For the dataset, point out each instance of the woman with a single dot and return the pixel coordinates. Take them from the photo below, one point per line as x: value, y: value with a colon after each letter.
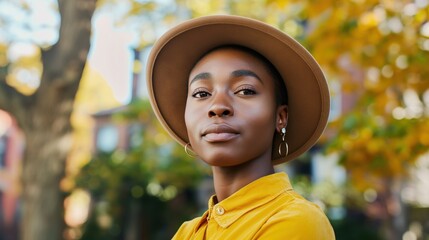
x: 244, y: 97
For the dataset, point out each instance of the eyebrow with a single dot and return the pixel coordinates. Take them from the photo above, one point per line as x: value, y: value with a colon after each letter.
x: 234, y: 74
x: 243, y: 73
x: 201, y: 76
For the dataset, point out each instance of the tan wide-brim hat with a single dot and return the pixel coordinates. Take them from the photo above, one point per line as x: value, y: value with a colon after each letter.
x: 176, y: 52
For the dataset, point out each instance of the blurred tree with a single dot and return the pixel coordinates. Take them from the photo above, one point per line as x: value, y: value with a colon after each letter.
x: 379, y: 52
x: 39, y: 91
x: 136, y: 191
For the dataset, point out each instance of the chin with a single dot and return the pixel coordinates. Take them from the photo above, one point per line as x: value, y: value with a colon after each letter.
x: 222, y: 159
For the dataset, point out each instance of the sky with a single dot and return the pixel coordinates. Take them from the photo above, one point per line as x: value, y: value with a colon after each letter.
x: 110, y: 55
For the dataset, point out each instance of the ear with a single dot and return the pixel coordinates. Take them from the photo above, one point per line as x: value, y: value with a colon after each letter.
x: 281, y: 117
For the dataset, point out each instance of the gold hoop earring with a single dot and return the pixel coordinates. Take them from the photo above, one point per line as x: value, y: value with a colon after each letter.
x: 187, y: 151
x: 283, y: 144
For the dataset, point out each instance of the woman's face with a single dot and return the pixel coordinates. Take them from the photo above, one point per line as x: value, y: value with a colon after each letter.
x: 231, y: 112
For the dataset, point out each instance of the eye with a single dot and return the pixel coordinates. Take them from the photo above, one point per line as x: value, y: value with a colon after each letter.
x: 246, y: 90
x: 200, y: 93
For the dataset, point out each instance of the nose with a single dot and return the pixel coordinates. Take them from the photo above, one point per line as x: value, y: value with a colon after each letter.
x: 221, y: 106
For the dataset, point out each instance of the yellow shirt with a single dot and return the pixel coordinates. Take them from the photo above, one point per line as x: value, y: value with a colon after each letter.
x: 268, y: 208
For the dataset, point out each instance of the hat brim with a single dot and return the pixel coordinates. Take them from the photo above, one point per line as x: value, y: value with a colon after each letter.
x: 176, y: 52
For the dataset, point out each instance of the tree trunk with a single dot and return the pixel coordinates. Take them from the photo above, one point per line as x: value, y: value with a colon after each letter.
x: 43, y: 169
x: 44, y: 118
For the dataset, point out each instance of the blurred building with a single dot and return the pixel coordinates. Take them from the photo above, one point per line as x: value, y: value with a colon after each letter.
x: 11, y: 151
x: 108, y: 134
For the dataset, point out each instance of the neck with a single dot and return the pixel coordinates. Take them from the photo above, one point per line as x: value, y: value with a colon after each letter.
x: 228, y: 180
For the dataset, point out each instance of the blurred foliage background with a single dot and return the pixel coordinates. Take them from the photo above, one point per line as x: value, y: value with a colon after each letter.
x: 369, y: 172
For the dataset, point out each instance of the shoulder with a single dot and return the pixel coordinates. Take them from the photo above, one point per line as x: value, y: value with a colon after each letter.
x: 297, y: 207
x: 297, y: 218
x: 187, y: 229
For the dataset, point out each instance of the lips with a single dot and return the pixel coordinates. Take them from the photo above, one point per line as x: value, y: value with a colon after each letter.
x: 219, y: 133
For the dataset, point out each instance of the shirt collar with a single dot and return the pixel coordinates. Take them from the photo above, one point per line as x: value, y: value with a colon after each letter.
x: 251, y: 196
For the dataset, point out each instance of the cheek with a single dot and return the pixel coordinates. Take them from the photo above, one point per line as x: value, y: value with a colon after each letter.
x: 261, y: 113
x: 261, y: 123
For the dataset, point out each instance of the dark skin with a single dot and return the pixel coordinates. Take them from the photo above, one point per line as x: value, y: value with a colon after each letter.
x: 231, y: 116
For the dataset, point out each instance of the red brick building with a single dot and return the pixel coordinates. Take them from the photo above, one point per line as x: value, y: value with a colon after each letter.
x: 11, y: 150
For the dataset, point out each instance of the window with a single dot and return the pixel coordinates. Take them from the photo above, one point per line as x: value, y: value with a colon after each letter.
x: 107, y: 138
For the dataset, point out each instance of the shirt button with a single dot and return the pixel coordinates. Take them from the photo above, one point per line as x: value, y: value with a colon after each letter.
x: 219, y: 210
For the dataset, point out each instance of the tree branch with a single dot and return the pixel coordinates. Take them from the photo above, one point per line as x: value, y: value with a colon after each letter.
x: 10, y: 99
x: 64, y: 62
